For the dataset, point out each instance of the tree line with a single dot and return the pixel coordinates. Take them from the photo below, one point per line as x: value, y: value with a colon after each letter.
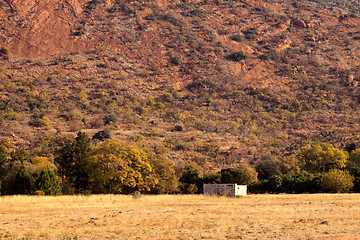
x: 111, y: 166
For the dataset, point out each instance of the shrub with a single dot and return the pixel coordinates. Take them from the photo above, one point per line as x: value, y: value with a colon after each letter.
x: 91, y: 6
x: 353, y: 146
x: 136, y: 195
x: 337, y: 181
x: 102, y: 135
x: 178, y: 128
x: 196, y: 12
x: 109, y: 119
x: 79, y: 31
x: 20, y: 155
x: 251, y: 33
x: 176, y: 61
x: 4, y: 51
x: 39, y: 193
x: 237, y: 56
x: 39, y: 122
x: 237, y: 37
x: 287, y: 183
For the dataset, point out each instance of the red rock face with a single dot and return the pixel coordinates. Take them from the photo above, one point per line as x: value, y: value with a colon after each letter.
x: 42, y: 28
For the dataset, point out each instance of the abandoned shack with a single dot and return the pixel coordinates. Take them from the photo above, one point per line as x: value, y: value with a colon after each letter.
x: 231, y: 190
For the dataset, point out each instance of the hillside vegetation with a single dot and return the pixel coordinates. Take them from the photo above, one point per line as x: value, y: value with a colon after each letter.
x: 211, y: 83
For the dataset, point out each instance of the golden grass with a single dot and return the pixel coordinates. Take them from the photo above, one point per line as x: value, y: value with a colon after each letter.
x: 318, y: 216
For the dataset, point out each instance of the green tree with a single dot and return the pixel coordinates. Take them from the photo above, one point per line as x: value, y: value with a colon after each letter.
x: 267, y: 168
x: 165, y: 173
x: 3, y: 159
x: 322, y: 157
x: 24, y: 183
x: 242, y: 175
x: 354, y: 158
x: 72, y: 161
x: 337, y: 181
x: 190, y: 180
x: 355, y: 172
x: 117, y: 168
x: 3, y: 154
x: 287, y: 183
x: 214, y: 177
x: 48, y: 182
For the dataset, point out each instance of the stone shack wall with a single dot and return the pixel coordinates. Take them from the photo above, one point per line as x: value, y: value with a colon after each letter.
x: 232, y: 189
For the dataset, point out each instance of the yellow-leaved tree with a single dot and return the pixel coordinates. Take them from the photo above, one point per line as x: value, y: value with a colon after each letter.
x: 42, y: 162
x: 117, y: 168
x: 337, y: 181
x: 322, y: 157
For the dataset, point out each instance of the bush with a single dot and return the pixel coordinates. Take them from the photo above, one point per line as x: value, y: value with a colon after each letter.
x: 102, y: 135
x: 178, y: 128
x: 136, y: 195
x: 4, y: 52
x: 109, y: 119
x: 251, y: 33
x: 39, y: 193
x: 337, y: 181
x: 237, y: 37
x: 237, y: 56
x: 176, y: 61
x: 20, y: 155
x: 91, y: 6
x: 287, y: 183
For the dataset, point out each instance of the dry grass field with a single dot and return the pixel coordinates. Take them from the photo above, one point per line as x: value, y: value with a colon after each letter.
x: 319, y: 216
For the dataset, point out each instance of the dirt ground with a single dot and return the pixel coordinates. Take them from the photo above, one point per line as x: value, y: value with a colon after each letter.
x: 319, y: 216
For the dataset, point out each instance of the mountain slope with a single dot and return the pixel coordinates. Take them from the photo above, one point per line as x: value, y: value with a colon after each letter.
x: 163, y: 74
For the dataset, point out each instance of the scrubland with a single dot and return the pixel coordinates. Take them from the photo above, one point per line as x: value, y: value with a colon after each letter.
x: 315, y: 216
